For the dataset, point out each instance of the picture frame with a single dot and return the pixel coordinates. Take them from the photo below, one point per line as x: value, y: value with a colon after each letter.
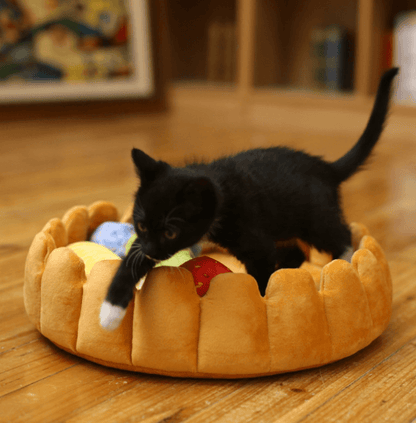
x: 106, y: 56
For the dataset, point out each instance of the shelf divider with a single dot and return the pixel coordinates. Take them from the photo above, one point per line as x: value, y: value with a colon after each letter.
x: 246, y: 19
x: 365, y: 44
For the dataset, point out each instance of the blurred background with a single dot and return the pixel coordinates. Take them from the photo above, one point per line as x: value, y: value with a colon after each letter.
x: 328, y: 47
x: 191, y: 79
x: 251, y: 47
x: 306, y: 45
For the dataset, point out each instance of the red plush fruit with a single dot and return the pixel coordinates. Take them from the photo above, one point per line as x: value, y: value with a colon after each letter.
x: 203, y: 269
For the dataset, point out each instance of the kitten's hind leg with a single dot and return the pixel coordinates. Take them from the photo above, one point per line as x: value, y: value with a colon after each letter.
x: 261, y: 270
x: 289, y: 257
x: 333, y: 236
x: 259, y: 257
x: 347, y: 254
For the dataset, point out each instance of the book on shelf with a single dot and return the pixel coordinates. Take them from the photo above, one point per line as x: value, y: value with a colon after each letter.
x: 318, y: 38
x: 332, y: 58
x: 404, y: 56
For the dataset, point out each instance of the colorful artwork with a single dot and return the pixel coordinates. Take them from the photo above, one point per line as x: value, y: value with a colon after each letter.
x: 74, y: 41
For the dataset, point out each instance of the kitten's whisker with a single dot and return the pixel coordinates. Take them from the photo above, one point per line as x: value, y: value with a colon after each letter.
x: 141, y: 258
x: 135, y: 252
x: 135, y: 248
x: 136, y: 258
x: 134, y: 273
x: 136, y: 262
x: 130, y: 257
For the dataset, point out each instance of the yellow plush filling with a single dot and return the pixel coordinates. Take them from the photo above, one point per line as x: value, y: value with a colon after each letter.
x: 91, y: 253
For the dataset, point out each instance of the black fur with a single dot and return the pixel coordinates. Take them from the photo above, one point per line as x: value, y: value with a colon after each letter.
x: 244, y: 203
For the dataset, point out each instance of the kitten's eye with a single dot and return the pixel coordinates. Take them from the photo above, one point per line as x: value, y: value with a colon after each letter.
x: 169, y: 234
x: 141, y: 227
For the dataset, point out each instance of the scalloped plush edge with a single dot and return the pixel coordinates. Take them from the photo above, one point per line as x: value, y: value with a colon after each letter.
x: 309, y: 317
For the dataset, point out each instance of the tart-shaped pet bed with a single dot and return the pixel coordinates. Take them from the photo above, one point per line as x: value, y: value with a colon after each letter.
x: 309, y: 317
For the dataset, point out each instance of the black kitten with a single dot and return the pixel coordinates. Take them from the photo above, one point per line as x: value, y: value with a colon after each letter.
x: 244, y: 203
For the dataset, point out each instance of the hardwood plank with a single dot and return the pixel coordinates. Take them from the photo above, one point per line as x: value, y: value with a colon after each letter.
x: 11, y: 303
x: 386, y: 393
x: 12, y: 260
x: 67, y: 392
x: 26, y: 364
x: 21, y: 333
x: 59, y: 394
x: 178, y: 400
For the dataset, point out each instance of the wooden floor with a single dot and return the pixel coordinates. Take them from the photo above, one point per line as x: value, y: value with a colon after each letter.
x: 48, y: 166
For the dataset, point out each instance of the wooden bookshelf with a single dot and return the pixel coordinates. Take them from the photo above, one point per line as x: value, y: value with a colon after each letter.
x: 272, y: 50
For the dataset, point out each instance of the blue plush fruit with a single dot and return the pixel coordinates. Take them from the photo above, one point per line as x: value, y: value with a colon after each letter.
x: 114, y: 236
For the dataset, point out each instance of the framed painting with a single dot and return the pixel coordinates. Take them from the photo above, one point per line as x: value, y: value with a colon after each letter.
x: 74, y: 50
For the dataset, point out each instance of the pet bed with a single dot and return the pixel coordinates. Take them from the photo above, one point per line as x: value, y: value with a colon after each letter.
x: 317, y: 314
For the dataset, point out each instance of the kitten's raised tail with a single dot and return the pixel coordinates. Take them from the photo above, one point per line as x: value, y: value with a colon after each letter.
x: 351, y: 162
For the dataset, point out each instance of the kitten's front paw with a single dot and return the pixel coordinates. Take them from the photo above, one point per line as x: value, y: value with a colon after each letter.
x: 111, y: 315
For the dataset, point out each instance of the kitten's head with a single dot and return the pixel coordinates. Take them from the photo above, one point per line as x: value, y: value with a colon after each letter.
x: 174, y: 208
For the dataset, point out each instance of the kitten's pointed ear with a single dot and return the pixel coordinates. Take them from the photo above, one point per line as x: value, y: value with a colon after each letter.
x: 142, y: 161
x: 147, y: 169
